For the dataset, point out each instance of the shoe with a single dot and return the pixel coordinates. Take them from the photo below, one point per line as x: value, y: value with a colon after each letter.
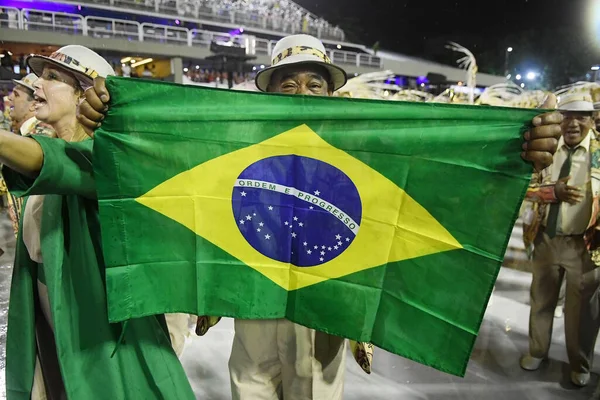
x: 530, y: 363
x: 580, y: 379
x: 558, y: 312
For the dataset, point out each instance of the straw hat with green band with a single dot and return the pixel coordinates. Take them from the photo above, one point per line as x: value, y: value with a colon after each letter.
x: 82, y: 62
x: 300, y: 49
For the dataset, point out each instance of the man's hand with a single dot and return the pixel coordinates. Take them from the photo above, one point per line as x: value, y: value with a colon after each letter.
x: 541, y: 141
x: 566, y: 193
x: 92, y: 109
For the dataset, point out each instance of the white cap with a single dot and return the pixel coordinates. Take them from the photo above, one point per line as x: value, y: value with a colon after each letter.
x: 27, y: 82
x: 300, y: 49
x: 82, y: 62
x: 576, y: 102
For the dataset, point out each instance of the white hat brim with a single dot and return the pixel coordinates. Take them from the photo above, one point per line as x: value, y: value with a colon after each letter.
x: 578, y: 106
x: 21, y: 83
x: 337, y: 74
x: 37, y: 63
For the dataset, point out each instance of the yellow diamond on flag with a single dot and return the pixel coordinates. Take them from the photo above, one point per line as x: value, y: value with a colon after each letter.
x: 382, y: 224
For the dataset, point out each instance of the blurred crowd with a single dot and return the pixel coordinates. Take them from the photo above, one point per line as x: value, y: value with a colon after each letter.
x: 213, y: 76
x: 278, y: 15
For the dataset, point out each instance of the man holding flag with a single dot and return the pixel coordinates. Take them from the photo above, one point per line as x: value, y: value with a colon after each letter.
x: 273, y: 359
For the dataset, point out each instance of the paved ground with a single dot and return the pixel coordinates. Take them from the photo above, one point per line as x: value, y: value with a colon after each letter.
x: 493, y: 372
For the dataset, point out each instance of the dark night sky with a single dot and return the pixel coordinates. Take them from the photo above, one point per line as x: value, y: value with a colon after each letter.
x: 540, y: 28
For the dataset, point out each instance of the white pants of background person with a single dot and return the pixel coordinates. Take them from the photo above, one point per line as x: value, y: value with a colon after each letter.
x: 277, y: 359
x: 179, y: 329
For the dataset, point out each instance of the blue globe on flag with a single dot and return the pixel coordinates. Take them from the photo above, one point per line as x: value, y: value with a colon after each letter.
x: 297, y: 210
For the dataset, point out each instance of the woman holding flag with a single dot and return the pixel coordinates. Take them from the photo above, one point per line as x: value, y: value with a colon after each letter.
x: 60, y: 343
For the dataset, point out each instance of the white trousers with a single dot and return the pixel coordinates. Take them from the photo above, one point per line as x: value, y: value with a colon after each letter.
x: 277, y: 359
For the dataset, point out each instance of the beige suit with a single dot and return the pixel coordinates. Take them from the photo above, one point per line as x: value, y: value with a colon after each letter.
x: 277, y: 359
x: 566, y: 254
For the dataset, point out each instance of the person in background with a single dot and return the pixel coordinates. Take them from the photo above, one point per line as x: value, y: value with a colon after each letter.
x: 568, y: 193
x: 60, y: 344
x: 277, y: 359
x: 24, y: 122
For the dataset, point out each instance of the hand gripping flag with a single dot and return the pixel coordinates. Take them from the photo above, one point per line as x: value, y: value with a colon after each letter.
x: 376, y: 221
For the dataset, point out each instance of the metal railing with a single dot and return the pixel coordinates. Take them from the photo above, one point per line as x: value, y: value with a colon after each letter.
x: 35, y: 20
x: 249, y: 18
x: 106, y: 28
x: 111, y: 28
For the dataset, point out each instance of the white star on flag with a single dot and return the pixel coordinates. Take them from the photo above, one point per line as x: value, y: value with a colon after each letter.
x: 347, y: 239
x: 322, y: 253
x: 261, y: 224
x: 335, y: 247
x: 308, y: 252
x: 329, y: 248
x: 267, y: 237
x: 243, y: 194
x: 317, y: 193
x: 286, y: 223
x: 254, y: 214
x: 339, y: 243
x: 321, y: 259
x: 249, y: 217
x: 316, y: 247
x: 305, y: 243
x: 293, y: 235
x: 338, y: 237
x: 301, y: 224
x: 323, y: 247
x: 257, y: 229
x: 311, y: 207
x: 270, y: 208
x: 295, y: 218
x: 242, y: 221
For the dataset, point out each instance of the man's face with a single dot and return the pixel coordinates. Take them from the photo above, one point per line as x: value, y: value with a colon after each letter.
x: 21, y: 105
x: 575, y: 126
x: 306, y: 79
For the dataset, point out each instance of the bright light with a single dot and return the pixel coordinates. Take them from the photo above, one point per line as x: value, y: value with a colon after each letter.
x: 339, y: 46
x: 386, y: 93
x: 422, y: 85
x: 531, y: 75
x: 185, y: 70
x: 459, y: 83
x: 508, y: 76
x: 177, y: 22
x: 253, y: 68
x: 144, y: 61
x: 595, y: 68
x: 509, y: 49
x: 262, y: 67
x: 122, y: 65
x: 518, y: 77
x: 197, y: 67
x: 241, y: 30
x: 126, y: 59
x: 522, y: 85
x: 10, y: 53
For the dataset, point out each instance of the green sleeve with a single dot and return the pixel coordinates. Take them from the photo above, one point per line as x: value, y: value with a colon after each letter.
x: 67, y: 170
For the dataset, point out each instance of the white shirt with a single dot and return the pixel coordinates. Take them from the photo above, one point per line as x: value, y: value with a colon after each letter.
x: 573, y: 219
x: 27, y: 126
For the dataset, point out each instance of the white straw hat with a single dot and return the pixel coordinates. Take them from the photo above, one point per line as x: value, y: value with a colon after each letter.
x: 300, y: 49
x: 82, y: 62
x: 27, y: 82
x: 576, y: 102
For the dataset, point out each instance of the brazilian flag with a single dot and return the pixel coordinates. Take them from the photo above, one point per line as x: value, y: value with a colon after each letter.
x: 376, y: 221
